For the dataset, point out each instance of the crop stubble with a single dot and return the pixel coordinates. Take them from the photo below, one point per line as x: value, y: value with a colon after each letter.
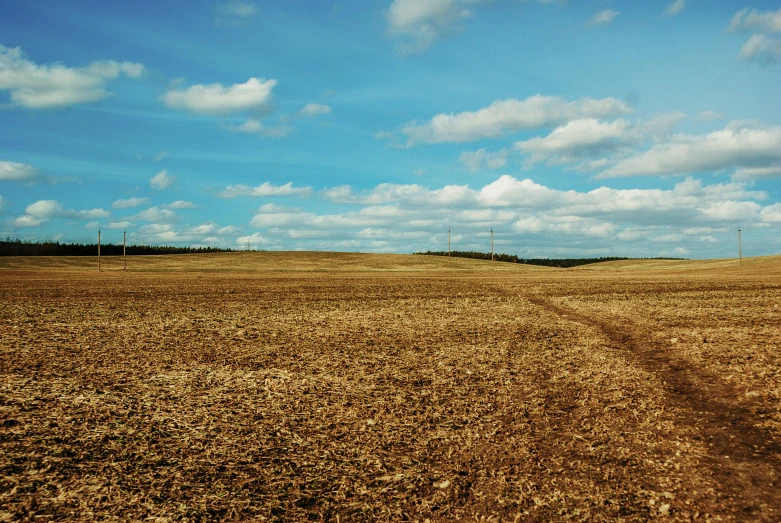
x: 552, y: 395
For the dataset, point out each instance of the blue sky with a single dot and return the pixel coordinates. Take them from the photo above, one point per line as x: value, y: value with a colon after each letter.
x: 606, y: 128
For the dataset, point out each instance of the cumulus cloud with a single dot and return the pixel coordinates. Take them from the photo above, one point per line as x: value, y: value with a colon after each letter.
x: 119, y: 225
x: 43, y: 211
x: 265, y: 189
x: 507, y: 116
x: 255, y: 126
x: 216, y: 99
x: 481, y: 160
x: 162, y: 180
x: 421, y: 22
x: 576, y: 139
x: 161, y: 155
x: 733, y: 147
x: 17, y: 172
x: 253, y: 240
x: 408, y: 195
x: 675, y: 7
x: 756, y: 173
x: 157, y: 215
x: 311, y: 110
x: 579, y: 140
x: 130, y: 203
x: 753, y: 20
x: 604, y: 17
x: 761, y: 46
x: 771, y: 213
x: 688, y: 216
x: 178, y: 205
x: 36, y: 86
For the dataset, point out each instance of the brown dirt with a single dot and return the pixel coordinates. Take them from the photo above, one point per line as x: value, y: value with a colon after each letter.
x: 745, y: 458
x: 274, y: 392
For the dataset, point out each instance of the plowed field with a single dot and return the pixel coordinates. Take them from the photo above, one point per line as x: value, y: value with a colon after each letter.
x: 367, y: 388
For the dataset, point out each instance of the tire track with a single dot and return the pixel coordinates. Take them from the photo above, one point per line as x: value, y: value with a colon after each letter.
x: 745, y: 459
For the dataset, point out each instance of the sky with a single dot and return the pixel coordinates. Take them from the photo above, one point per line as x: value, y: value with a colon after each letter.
x: 568, y: 128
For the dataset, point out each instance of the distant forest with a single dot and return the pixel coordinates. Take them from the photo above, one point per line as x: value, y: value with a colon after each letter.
x: 11, y: 247
x: 545, y: 262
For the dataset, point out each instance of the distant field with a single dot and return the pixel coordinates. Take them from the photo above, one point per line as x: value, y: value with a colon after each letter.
x: 260, y: 262
x: 358, y: 262
x: 359, y: 387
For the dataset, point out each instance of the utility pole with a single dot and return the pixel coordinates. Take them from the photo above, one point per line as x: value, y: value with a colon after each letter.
x: 740, y: 248
x: 99, y: 250
x: 124, y: 247
x: 448, y: 241
x: 492, y: 244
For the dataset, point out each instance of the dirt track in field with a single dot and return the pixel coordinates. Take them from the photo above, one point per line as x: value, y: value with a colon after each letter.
x: 261, y: 390
x: 744, y: 458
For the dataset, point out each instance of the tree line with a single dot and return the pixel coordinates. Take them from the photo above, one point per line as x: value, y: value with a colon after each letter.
x: 10, y: 247
x: 563, y: 263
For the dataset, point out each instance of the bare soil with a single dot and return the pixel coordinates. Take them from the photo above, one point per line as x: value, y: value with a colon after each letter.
x: 346, y: 388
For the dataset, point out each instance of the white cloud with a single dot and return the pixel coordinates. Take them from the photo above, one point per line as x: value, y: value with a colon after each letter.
x: 119, y: 225
x: 772, y: 213
x: 28, y: 221
x: 507, y: 116
x: 17, y: 172
x: 89, y: 214
x: 413, y: 195
x: 420, y: 22
x: 762, y: 48
x: 254, y: 240
x: 585, y: 140
x: 755, y: 173
x: 42, y: 211
x: 157, y: 215
x: 214, y: 99
x: 229, y: 230
x: 265, y: 189
x: 312, y: 110
x: 604, y: 17
x: 734, y: 147
x: 578, y: 138
x: 162, y: 180
x: 483, y: 160
x: 675, y: 7
x: 567, y: 225
x: 178, y: 205
x: 255, y: 126
x: 688, y: 216
x: 50, y: 86
x: 203, y: 229
x: 759, y: 47
x: 731, y: 211
x: 129, y: 203
x: 753, y: 20
x: 161, y: 155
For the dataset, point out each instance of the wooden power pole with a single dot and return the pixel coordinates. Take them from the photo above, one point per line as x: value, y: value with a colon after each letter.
x: 98, y: 250
x: 740, y: 248
x: 492, y: 244
x: 124, y: 248
x: 448, y: 241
